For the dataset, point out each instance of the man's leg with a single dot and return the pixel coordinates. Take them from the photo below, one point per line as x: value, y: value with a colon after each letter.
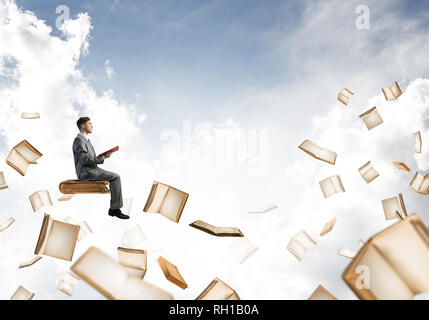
x: 115, y: 186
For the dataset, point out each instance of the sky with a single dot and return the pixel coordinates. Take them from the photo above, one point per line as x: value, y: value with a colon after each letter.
x: 186, y: 89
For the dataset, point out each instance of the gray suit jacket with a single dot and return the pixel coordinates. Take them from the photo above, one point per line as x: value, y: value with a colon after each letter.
x: 85, y: 159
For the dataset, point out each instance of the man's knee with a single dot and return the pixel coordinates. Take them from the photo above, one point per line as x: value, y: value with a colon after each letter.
x: 115, y: 177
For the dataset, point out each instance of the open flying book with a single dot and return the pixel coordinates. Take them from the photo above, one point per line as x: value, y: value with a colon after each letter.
x: 320, y: 293
x: 67, y: 282
x: 263, y: 209
x: 29, y: 263
x: 217, y: 231
x: 171, y: 273
x: 319, y: 153
x: 242, y: 249
x: 21, y: 156
x: 331, y: 186
x: 367, y: 172
x: 22, y: 294
x: 30, y: 115
x: 109, y: 151
x: 393, y: 205
x: 344, y: 96
x: 371, y: 118
x: 218, y: 290
x: 6, y: 224
x: 3, y: 184
x: 111, y: 279
x: 134, y: 260
x: 40, y: 199
x: 417, y: 142
x: 328, y: 227
x: 420, y: 183
x: 346, y: 253
x: 401, y: 166
x: 166, y: 200
x: 392, y: 92
x: 57, y: 239
x: 299, y: 244
x: 393, y: 264
x: 66, y: 197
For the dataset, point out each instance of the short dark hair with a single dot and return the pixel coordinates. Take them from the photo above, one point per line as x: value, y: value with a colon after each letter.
x: 81, y: 121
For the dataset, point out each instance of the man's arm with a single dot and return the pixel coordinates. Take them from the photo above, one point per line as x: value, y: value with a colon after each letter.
x: 81, y: 150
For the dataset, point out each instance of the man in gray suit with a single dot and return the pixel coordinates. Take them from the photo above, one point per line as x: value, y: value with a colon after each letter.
x: 86, y: 161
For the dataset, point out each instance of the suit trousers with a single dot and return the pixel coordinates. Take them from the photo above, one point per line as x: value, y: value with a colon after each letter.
x: 114, y: 179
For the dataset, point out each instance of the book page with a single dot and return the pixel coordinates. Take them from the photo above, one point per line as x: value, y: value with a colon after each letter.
x: 204, y: 225
x: 29, y: 263
x: 390, y: 206
x: 30, y: 115
x: 384, y: 282
x: 424, y: 188
x: 45, y: 198
x: 327, y: 156
x: 299, y: 244
x: 263, y: 209
x: 27, y: 151
x: 61, y: 240
x: 172, y: 273
x: 66, y: 283
x: 242, y: 249
x: 331, y: 185
x: 66, y: 197
x: 309, y: 147
x: 2, y: 179
x: 35, y: 201
x: 407, y: 252
x: 401, y: 166
x: 417, y: 142
x: 22, y: 294
x: 228, y: 231
x: 158, y: 198
x: 371, y: 118
x: 172, y: 204
x: 346, y: 253
x: 18, y: 161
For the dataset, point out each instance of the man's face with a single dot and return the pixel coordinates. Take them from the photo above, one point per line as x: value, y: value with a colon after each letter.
x: 87, y: 127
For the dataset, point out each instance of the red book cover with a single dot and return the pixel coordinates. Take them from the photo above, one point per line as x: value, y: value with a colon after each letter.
x: 108, y: 151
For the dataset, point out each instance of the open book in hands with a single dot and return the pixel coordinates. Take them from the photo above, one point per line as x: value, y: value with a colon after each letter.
x: 109, y: 151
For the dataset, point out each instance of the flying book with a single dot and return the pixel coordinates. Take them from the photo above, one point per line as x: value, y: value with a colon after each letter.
x: 331, y: 185
x: 66, y: 283
x: 111, y: 279
x: 6, y: 224
x: 393, y: 264
x: 109, y: 151
x: 30, y: 115
x: 392, y: 92
x: 218, y: 290
x: 84, y: 227
x: 21, y: 156
x: 346, y: 253
x: 166, y: 200
x: 134, y: 260
x: 393, y: 205
x: 3, y: 184
x: 417, y: 142
x: 367, y: 172
x: 420, y: 183
x: 321, y: 294
x: 133, y: 238
x: 66, y: 197
x: 371, y: 118
x: 22, y: 294
x: 245, y: 158
x: 319, y: 153
x: 217, y: 231
x: 344, y: 96
x: 263, y: 209
x: 171, y: 273
x: 57, y: 239
x: 40, y: 199
x: 328, y: 227
x: 242, y: 249
x: 299, y: 244
x: 29, y: 263
x: 401, y: 165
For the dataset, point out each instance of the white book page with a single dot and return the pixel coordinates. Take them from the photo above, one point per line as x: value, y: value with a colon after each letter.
x: 171, y: 205
x: 160, y: 192
x: 61, y: 240
x: 27, y: 153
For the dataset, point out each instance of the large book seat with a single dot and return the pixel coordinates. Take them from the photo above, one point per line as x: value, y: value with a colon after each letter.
x: 77, y: 186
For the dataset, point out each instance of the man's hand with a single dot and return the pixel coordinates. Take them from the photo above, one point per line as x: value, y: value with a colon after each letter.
x: 107, y: 155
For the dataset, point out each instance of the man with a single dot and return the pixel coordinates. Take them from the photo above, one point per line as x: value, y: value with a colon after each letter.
x: 86, y: 161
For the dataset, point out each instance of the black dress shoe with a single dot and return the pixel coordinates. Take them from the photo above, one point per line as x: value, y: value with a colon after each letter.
x: 118, y: 213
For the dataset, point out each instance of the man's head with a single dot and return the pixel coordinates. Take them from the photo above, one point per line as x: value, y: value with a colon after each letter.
x: 84, y: 124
